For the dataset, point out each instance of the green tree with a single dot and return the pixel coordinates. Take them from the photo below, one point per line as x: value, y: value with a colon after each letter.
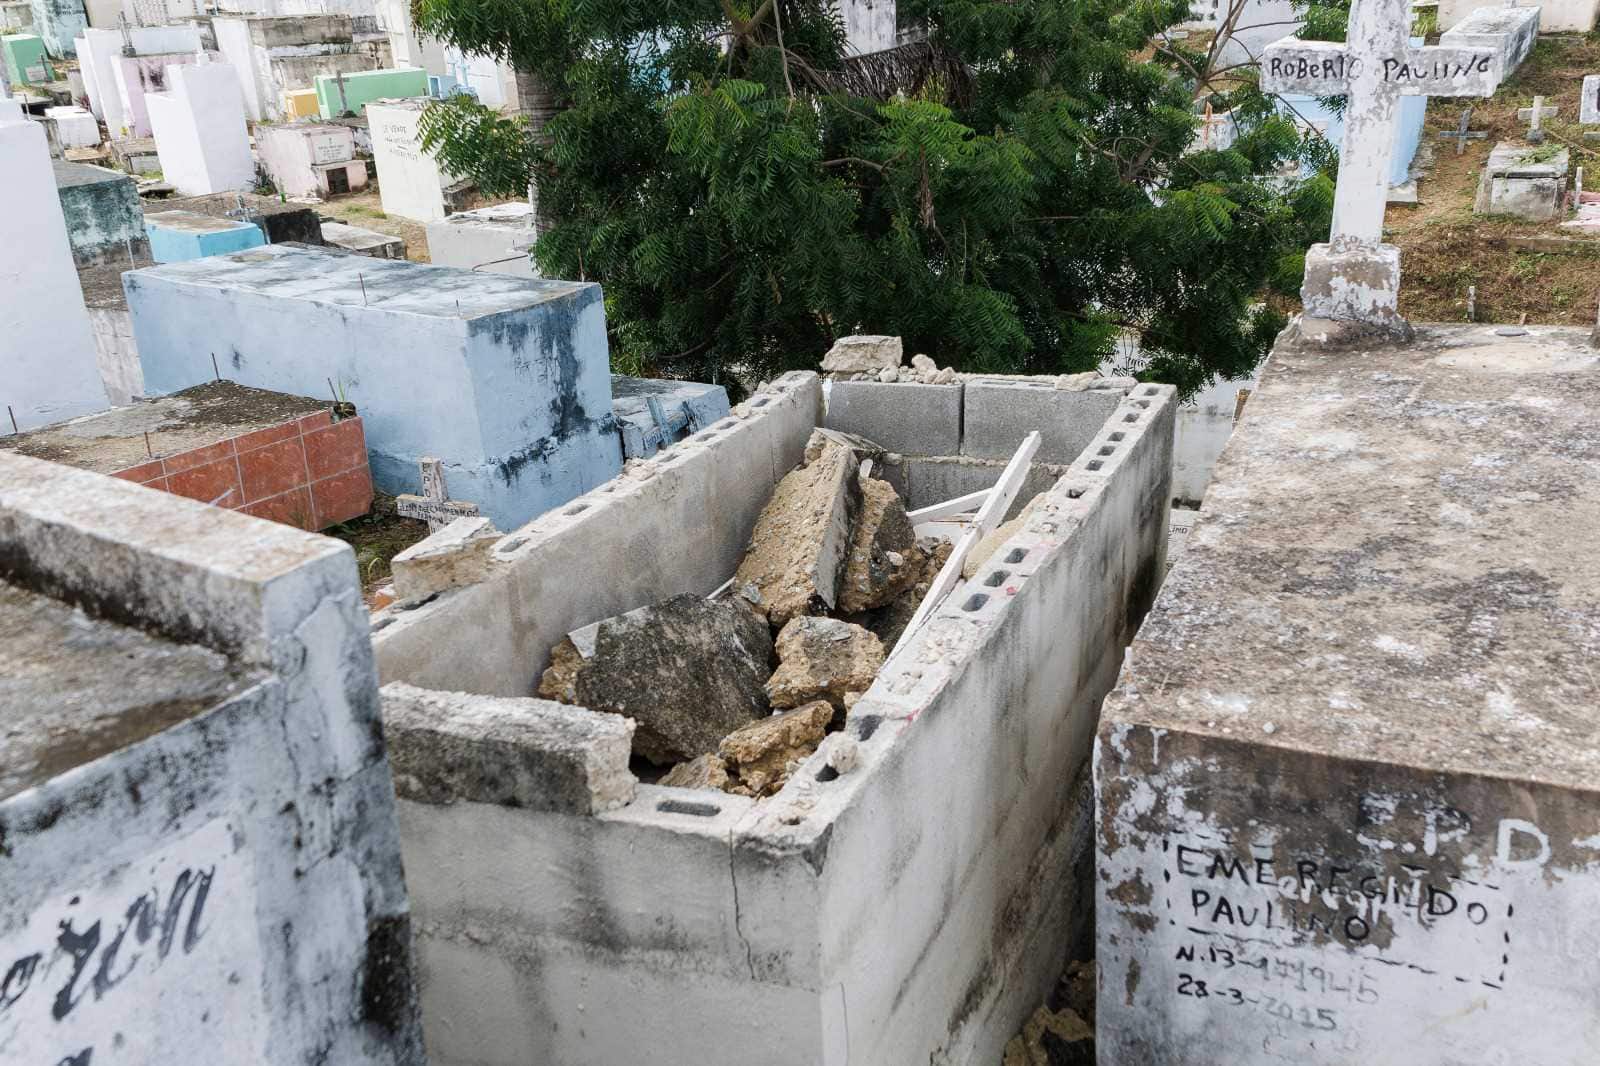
x: 1010, y: 193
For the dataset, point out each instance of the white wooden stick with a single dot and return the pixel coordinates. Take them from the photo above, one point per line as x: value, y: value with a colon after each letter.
x: 960, y: 505
x: 990, y: 515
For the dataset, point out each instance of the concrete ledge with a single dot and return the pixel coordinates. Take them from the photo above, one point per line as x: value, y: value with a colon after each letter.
x: 899, y: 416
x: 998, y: 413
x: 527, y: 753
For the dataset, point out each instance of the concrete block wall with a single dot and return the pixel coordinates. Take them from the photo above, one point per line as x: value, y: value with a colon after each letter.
x: 237, y: 772
x: 105, y: 220
x: 913, y: 909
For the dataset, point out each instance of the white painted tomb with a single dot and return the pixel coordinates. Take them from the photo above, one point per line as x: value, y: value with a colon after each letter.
x: 311, y: 158
x: 200, y: 132
x: 1355, y: 277
x: 1510, y: 31
x: 75, y: 127
x: 497, y: 240
x: 47, y: 354
x: 411, y: 183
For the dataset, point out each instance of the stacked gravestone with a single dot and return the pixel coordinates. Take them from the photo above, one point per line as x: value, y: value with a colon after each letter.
x: 201, y: 861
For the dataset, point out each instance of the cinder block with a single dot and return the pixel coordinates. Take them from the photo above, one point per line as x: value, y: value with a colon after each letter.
x: 525, y: 753
x: 997, y: 413
x: 901, y: 416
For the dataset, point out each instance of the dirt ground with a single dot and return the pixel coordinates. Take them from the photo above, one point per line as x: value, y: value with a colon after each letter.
x: 364, y: 209
x: 1445, y: 248
x: 377, y: 537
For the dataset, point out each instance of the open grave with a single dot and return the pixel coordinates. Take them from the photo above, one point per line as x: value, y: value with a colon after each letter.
x: 904, y: 888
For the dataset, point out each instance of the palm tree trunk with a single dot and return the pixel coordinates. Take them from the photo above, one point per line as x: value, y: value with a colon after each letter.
x: 536, y: 102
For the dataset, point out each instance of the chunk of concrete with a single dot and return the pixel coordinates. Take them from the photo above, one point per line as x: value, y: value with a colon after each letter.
x: 449, y: 747
x: 823, y: 658
x: 688, y: 670
x: 862, y: 355
x: 1052, y: 1038
x: 702, y: 771
x: 882, y: 562
x: 762, y: 750
x: 796, y: 557
x: 888, y: 623
x: 905, y: 416
x: 460, y: 554
x: 997, y: 413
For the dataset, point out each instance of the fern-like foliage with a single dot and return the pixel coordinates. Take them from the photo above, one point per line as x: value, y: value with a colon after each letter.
x: 1020, y: 195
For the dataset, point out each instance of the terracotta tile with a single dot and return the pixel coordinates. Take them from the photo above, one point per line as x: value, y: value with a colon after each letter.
x: 198, y: 457
x: 208, y: 483
x: 336, y: 449
x: 272, y: 470
x: 316, y: 420
x: 157, y: 483
x: 262, y: 437
x: 292, y: 508
x: 141, y: 473
x: 342, y: 497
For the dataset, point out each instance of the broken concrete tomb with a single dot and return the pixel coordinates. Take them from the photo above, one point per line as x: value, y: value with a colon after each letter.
x: 1347, y: 779
x: 906, y: 894
x: 200, y: 855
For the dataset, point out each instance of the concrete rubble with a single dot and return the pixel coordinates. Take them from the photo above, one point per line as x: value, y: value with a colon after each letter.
x: 763, y: 752
x: 823, y: 659
x: 797, y: 555
x: 883, y: 562
x: 687, y: 670
x: 862, y: 355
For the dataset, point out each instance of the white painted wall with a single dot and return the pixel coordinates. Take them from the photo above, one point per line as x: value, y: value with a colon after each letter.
x: 290, y: 153
x: 487, y: 240
x: 1565, y: 16
x: 100, y: 46
x: 200, y: 132
x: 233, y: 41
x: 869, y: 24
x: 47, y: 351
x: 75, y: 127
x: 410, y: 182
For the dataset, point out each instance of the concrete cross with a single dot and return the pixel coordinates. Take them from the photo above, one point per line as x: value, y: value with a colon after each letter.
x: 434, y: 505
x: 1462, y: 135
x: 1355, y: 276
x: 1533, y: 116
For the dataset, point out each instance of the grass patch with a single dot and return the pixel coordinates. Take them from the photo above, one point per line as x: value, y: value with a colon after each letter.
x: 377, y: 538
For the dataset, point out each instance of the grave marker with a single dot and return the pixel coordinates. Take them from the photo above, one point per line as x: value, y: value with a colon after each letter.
x: 1462, y: 135
x: 1589, y: 102
x: 1355, y: 276
x: 434, y: 506
x: 1534, y: 116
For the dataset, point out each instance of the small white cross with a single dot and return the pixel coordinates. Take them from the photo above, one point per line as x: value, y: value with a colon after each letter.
x: 1533, y: 115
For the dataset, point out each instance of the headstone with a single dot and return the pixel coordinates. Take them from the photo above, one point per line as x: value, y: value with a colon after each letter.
x: 497, y: 239
x: 1589, y: 102
x: 411, y: 183
x: 178, y: 236
x: 201, y: 856
x: 1534, y: 116
x: 1355, y: 277
x: 47, y: 363
x: 1523, y: 182
x: 1510, y: 31
x: 199, y: 130
x: 434, y: 505
x: 506, y: 380
x: 311, y: 159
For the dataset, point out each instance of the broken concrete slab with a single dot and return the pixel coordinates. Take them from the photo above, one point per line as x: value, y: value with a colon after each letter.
x: 823, y: 658
x: 882, y: 563
x: 449, y: 747
x: 688, y: 670
x: 459, y: 554
x: 888, y: 623
x: 797, y: 555
x: 707, y: 771
x: 763, y: 750
x: 862, y: 355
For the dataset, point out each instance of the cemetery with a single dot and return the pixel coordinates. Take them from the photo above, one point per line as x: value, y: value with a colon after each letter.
x: 711, y: 584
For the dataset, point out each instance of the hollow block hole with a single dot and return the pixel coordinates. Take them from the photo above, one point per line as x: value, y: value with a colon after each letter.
x: 699, y: 810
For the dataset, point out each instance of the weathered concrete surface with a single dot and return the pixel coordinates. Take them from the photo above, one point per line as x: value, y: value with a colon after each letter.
x: 881, y: 564
x: 1354, y: 285
x: 192, y: 743
x: 1510, y: 31
x: 1523, y: 182
x: 798, y: 552
x: 762, y: 751
x: 823, y: 659
x: 1347, y: 779
x: 449, y: 747
x: 908, y: 894
x: 864, y: 354
x: 688, y: 670
x: 707, y: 771
x: 105, y: 222
x: 462, y: 553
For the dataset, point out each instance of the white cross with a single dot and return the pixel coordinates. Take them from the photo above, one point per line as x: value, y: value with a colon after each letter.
x: 1374, y: 68
x: 434, y: 505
